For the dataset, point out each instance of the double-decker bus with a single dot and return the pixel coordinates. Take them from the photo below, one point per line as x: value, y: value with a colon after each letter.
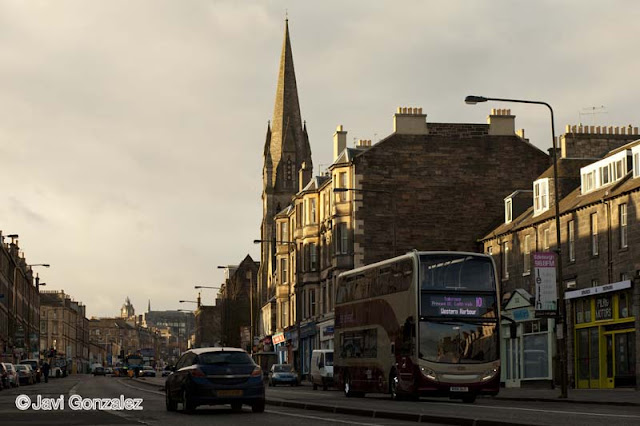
x: 421, y: 324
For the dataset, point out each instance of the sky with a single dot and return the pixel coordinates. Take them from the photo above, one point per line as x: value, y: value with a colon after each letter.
x: 132, y: 131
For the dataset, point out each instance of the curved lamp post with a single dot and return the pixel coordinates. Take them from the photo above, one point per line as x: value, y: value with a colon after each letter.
x: 561, y: 307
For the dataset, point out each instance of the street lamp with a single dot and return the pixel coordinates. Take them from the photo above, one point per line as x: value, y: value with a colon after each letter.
x: 561, y: 307
x: 378, y: 191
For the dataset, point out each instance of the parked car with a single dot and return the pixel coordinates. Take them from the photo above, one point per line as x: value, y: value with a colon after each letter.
x: 35, y: 366
x: 99, y: 371
x: 215, y: 376
x: 283, y: 374
x: 25, y: 374
x: 321, y: 373
x: 12, y: 374
x: 4, y: 377
x: 108, y: 370
x: 147, y: 371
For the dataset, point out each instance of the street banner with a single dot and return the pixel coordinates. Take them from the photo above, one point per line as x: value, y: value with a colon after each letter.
x: 544, y: 269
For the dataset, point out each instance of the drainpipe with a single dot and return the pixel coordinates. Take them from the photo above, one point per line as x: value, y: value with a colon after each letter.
x: 609, y: 243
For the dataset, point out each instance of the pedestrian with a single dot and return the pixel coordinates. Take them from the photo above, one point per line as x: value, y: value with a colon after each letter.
x: 45, y: 371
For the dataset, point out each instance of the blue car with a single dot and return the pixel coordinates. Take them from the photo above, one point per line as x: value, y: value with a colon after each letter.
x: 215, y: 376
x: 283, y: 374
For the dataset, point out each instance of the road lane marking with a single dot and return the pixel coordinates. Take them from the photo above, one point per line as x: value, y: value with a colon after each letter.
x: 449, y: 404
x: 302, y: 416
x: 143, y: 390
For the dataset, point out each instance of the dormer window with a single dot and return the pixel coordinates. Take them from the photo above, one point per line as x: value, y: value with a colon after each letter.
x: 604, y: 172
x: 636, y: 160
x: 540, y: 196
x: 508, y: 210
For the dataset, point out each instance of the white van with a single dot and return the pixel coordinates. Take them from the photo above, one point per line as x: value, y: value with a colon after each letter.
x: 321, y: 373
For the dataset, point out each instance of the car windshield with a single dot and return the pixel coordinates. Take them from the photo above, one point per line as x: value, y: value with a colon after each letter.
x: 21, y: 367
x: 224, y: 357
x: 282, y: 368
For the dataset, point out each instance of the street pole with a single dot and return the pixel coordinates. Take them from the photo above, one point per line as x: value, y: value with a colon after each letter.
x: 561, y: 308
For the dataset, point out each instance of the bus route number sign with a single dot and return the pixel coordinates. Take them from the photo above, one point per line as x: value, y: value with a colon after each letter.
x: 456, y: 305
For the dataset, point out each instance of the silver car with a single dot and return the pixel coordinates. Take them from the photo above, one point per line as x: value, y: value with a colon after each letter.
x: 26, y: 375
x: 12, y: 374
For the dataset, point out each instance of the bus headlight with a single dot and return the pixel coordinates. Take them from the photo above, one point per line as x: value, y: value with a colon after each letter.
x: 429, y: 374
x: 489, y: 374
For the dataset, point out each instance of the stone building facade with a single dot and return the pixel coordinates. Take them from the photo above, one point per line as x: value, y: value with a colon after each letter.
x: 64, y: 327
x: 379, y: 200
x: 20, y: 305
x: 240, y: 310
x: 600, y: 248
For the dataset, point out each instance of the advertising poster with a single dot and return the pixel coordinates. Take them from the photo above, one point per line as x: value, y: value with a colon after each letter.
x: 544, y: 269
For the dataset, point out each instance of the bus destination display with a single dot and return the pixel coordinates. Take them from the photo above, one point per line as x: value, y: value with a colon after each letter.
x: 436, y: 305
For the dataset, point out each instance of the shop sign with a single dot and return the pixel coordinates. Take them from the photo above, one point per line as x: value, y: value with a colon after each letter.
x: 544, y: 267
x: 278, y: 338
x: 308, y: 330
x: 521, y: 314
x: 621, y: 285
x: 604, y: 309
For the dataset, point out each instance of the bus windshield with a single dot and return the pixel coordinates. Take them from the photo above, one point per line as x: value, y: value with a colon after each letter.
x: 457, y: 342
x: 455, y: 271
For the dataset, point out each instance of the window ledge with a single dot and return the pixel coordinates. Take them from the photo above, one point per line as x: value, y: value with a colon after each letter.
x: 526, y: 273
x: 623, y: 249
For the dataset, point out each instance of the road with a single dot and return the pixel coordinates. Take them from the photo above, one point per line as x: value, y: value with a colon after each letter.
x: 436, y: 411
x: 153, y: 412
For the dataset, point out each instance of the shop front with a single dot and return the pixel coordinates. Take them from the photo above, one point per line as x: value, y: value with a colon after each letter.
x: 308, y: 333
x: 604, y: 336
x: 526, y: 344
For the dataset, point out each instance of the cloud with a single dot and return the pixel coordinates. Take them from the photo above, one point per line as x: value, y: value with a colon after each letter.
x: 131, y: 132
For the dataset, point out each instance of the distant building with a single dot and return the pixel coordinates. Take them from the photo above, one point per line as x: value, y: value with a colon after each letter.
x: 19, y: 306
x: 65, y: 328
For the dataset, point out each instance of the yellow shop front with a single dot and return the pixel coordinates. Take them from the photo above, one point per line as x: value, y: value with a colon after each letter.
x: 604, y: 336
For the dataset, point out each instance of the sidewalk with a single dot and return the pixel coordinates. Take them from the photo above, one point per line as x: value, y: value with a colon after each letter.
x: 621, y: 397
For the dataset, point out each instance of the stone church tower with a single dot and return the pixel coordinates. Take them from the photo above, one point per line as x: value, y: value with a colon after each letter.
x: 286, y: 151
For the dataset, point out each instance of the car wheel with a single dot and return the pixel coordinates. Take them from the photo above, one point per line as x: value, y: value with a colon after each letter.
x: 258, y: 407
x: 188, y: 405
x: 236, y: 407
x: 170, y: 403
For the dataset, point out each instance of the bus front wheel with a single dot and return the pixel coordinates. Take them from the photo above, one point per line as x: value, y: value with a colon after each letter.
x: 393, y: 386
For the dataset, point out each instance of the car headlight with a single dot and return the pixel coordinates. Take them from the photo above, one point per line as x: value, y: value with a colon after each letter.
x: 489, y: 374
x: 429, y: 374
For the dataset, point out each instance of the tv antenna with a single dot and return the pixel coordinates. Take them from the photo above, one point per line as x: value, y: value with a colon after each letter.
x: 593, y: 111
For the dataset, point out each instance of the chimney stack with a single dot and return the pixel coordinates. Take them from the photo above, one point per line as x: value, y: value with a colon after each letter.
x: 501, y: 122
x: 304, y: 176
x: 339, y: 141
x: 410, y: 121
